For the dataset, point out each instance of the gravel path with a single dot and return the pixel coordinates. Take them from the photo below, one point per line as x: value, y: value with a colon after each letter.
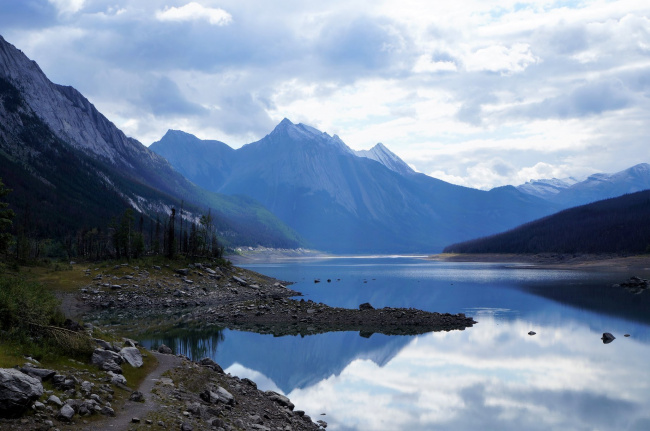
x: 139, y: 410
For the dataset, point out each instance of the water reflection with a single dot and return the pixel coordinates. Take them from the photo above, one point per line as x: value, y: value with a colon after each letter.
x: 494, y: 376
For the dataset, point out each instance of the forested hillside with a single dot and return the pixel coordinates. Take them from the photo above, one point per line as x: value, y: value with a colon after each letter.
x: 618, y: 225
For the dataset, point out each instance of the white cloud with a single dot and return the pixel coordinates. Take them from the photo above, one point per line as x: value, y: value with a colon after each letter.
x: 501, y: 59
x: 193, y: 12
x: 68, y: 6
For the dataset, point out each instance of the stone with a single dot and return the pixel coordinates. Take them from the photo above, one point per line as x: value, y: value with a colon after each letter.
x: 18, y: 391
x: 183, y: 271
x: 607, y: 338
x: 117, y: 379
x: 101, y: 356
x: 322, y: 423
x: 53, y: 399
x: 164, y: 350
x: 186, y: 427
x: 86, y: 387
x: 208, y: 362
x: 66, y: 413
x: 38, y: 406
x: 280, y: 399
x: 135, y: 420
x: 137, y: 397
x: 39, y: 373
x: 240, y: 281
x: 366, y: 306
x: 107, y: 411
x: 132, y: 356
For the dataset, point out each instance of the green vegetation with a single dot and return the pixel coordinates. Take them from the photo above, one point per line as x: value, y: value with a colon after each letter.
x: 618, y: 225
x: 31, y: 320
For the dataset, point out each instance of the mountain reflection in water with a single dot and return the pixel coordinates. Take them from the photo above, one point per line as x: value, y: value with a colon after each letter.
x: 491, y: 376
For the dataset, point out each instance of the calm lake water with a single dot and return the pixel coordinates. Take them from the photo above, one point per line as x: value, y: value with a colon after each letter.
x: 493, y: 376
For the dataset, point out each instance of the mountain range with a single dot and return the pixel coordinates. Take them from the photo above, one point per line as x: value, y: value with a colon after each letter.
x: 340, y: 200
x: 570, y: 192
x: 72, y: 169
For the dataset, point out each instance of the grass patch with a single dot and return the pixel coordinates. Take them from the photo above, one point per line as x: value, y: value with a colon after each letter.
x: 135, y: 376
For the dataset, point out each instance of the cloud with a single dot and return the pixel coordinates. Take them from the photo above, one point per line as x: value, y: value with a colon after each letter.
x: 436, y: 83
x: 68, y: 6
x: 164, y: 98
x: 194, y: 12
x: 501, y: 59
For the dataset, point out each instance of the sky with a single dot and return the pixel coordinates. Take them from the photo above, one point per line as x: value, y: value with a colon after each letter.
x: 480, y: 93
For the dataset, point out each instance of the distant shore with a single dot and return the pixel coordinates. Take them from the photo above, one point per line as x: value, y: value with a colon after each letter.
x: 555, y: 260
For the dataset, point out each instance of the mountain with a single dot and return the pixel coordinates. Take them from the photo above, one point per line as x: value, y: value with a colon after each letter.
x: 387, y: 158
x: 616, y: 225
x: 71, y: 168
x: 546, y: 188
x: 340, y: 201
x: 570, y: 192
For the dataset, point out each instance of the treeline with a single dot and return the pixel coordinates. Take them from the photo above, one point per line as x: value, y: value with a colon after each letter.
x: 619, y: 225
x: 130, y: 235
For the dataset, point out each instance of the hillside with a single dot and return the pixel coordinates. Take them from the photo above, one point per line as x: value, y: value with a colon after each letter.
x: 344, y: 201
x: 72, y: 170
x: 618, y: 225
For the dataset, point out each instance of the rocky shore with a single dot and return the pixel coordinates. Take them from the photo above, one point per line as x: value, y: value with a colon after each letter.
x: 179, y: 393
x: 240, y: 299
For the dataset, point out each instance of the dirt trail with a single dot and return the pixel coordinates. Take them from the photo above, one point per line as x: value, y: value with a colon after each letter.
x: 139, y: 410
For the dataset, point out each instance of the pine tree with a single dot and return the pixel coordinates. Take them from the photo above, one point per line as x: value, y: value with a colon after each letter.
x: 6, y: 217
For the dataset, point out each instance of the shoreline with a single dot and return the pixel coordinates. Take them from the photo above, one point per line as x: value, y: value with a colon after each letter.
x: 596, y: 262
x: 135, y: 300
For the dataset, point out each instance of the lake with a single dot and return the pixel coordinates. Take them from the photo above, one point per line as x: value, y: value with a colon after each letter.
x: 493, y: 376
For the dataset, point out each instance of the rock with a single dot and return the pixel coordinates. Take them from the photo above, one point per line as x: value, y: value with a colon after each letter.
x: 101, y: 357
x: 280, y: 399
x: 183, y: 271
x: 322, y: 423
x: 53, y: 399
x: 38, y: 406
x: 135, y: 420
x: 164, y: 349
x: 39, y: 373
x: 133, y: 356
x: 240, y: 281
x: 66, y: 413
x: 107, y: 411
x: 219, y: 394
x: 210, y: 271
x: 208, y: 362
x: 607, y: 338
x: 117, y: 379
x: 18, y: 391
x: 137, y: 397
x: 366, y: 306
x: 86, y: 387
x: 186, y: 427
x: 532, y: 333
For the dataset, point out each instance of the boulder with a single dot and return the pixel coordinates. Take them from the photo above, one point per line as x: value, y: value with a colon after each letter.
x: 66, y: 413
x: 212, y: 395
x: 101, y: 356
x: 133, y: 356
x: 280, y: 399
x: 183, y: 271
x: 137, y: 397
x: 18, y: 391
x: 208, y: 362
x: 240, y: 281
x: 164, y: 350
x: 40, y: 373
x: 53, y: 399
x: 366, y: 306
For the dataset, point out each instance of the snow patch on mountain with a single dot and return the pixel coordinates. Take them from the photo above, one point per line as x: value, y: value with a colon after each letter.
x: 545, y: 188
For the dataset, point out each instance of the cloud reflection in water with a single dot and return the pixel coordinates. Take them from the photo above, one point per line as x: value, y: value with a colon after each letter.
x: 493, y: 376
